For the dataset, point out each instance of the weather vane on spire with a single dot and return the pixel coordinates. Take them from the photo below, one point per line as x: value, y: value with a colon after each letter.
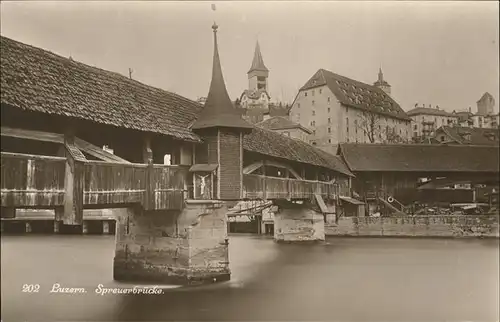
x: 214, y: 26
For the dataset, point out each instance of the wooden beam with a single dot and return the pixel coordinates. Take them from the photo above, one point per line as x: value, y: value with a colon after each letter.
x: 73, y: 183
x: 149, y: 193
x: 32, y: 135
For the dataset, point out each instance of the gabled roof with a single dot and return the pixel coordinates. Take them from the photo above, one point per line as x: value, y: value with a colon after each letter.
x: 280, y: 146
x: 478, y: 136
x: 356, y: 94
x: 429, y: 111
x: 258, y: 61
x: 219, y: 110
x: 420, y: 158
x: 37, y: 80
x: 281, y: 123
x: 486, y: 96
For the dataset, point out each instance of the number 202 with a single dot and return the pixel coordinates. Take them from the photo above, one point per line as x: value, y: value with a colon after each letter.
x: 31, y: 288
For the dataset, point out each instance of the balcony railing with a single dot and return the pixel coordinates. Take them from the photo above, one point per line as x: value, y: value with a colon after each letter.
x: 262, y: 187
x: 32, y: 181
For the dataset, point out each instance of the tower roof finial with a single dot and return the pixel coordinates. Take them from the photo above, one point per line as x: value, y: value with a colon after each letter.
x: 219, y: 110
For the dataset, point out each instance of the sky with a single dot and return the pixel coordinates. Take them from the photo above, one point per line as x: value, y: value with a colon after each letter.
x: 438, y: 53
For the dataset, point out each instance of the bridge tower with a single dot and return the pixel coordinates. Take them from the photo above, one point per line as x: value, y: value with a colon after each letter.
x: 191, y: 246
x: 221, y: 126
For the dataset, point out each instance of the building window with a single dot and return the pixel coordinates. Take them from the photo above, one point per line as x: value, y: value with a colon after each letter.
x: 312, y: 102
x: 328, y: 110
x: 328, y: 99
x: 347, y: 124
x: 314, y: 143
x: 329, y: 130
x: 314, y: 132
x: 442, y: 138
x: 312, y: 92
x: 314, y: 113
x: 415, y: 126
x: 347, y: 140
x: 329, y: 120
x: 313, y: 123
x: 298, y: 105
x: 305, y: 93
x: 329, y: 140
x: 320, y: 91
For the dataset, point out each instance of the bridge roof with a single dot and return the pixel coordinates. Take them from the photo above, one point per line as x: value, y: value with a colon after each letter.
x: 420, y: 158
x: 37, y: 80
x: 281, y: 146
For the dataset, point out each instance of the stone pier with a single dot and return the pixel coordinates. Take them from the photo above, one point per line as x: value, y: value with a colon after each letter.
x: 295, y: 222
x: 173, y: 247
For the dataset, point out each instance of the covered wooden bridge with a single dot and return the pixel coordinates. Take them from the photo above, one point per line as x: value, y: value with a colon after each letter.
x: 76, y: 137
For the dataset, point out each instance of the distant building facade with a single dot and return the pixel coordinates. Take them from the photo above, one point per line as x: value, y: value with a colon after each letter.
x: 286, y: 127
x: 426, y: 120
x: 338, y: 109
x: 485, y: 117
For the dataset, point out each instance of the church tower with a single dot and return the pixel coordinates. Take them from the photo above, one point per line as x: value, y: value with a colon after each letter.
x: 222, y: 128
x: 258, y: 73
x: 382, y: 84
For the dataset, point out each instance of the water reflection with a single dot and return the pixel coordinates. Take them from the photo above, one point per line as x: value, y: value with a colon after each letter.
x: 366, y: 279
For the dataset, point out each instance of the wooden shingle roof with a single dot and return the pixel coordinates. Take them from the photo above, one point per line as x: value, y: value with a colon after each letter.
x: 420, y: 157
x: 280, y: 146
x: 34, y: 79
x: 356, y: 94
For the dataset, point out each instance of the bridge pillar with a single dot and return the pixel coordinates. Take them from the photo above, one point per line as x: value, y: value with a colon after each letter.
x: 298, y: 223
x: 173, y: 247
x: 105, y: 227
x: 85, y: 227
x: 57, y: 226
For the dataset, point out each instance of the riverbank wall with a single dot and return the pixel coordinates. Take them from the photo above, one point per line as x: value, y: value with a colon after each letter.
x: 458, y: 226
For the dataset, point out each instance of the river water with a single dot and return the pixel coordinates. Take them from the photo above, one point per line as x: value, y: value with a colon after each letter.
x: 345, y: 279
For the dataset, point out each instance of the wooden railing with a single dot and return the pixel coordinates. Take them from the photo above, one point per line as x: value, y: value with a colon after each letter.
x: 262, y: 187
x: 69, y: 185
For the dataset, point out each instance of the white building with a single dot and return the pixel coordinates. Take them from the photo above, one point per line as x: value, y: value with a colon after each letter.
x: 426, y: 120
x: 339, y: 109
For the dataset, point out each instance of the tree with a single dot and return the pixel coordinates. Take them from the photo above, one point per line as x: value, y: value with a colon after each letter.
x: 375, y: 131
x: 369, y: 123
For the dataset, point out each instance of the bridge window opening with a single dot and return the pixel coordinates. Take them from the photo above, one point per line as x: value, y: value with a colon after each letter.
x: 167, y: 159
x: 35, y: 147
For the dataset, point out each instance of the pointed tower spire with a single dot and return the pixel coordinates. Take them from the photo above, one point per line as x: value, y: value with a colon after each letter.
x: 380, y: 75
x: 219, y: 110
x: 258, y: 61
